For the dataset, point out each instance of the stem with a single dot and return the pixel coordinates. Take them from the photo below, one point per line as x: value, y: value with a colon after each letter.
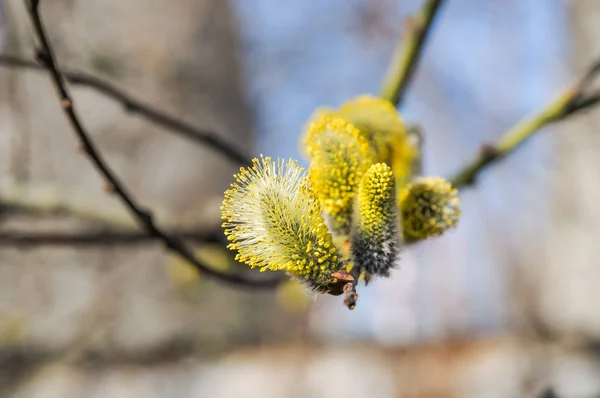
x: 98, y: 238
x: 514, y: 138
x: 408, y: 53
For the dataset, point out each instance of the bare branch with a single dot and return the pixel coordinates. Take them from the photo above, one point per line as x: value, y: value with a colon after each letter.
x: 141, y: 214
x: 408, y: 53
x: 571, y: 101
x: 99, y: 237
x: 199, y: 136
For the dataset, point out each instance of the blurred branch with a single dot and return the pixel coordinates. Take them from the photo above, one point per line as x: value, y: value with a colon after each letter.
x: 113, y: 183
x: 133, y: 105
x: 577, y: 98
x: 99, y: 238
x: 42, y: 198
x: 408, y: 53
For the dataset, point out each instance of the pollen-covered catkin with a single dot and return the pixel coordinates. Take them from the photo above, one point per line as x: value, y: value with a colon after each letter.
x: 428, y: 207
x: 339, y: 158
x: 375, y: 241
x: 381, y: 124
x: 273, y: 220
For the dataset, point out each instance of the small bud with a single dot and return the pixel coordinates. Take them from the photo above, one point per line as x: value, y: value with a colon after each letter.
x: 428, y: 207
x: 341, y: 279
x: 351, y: 297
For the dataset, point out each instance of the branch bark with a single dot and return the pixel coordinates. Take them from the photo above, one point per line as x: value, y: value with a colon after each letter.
x: 23, y: 238
x: 408, y: 53
x: 171, y: 123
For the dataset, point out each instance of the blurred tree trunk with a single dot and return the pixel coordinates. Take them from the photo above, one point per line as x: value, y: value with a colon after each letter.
x: 570, y: 278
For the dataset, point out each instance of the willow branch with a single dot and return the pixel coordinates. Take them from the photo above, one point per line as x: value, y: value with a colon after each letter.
x: 408, y: 53
x: 199, y: 136
x: 98, y: 238
x: 569, y: 102
x: 141, y: 214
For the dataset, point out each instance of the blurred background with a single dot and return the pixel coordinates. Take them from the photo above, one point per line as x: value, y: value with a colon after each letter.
x: 503, y: 306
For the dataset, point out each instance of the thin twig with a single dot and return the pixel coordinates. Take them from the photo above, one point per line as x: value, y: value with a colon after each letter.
x: 569, y: 102
x: 408, y: 53
x: 142, y: 215
x: 98, y: 238
x: 202, y: 137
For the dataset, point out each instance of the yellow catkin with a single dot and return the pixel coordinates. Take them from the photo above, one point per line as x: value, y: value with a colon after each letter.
x: 375, y: 230
x: 308, y: 133
x: 379, y: 122
x: 428, y: 207
x: 274, y: 222
x: 376, y: 197
x: 339, y: 158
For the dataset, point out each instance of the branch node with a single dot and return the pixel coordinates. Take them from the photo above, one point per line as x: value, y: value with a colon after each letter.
x: 489, y: 151
x: 411, y: 25
x: 42, y: 56
x: 145, y: 216
x: 109, y: 187
x: 128, y: 106
x: 65, y: 103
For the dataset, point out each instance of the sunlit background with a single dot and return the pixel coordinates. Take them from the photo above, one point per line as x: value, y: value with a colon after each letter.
x: 503, y: 306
